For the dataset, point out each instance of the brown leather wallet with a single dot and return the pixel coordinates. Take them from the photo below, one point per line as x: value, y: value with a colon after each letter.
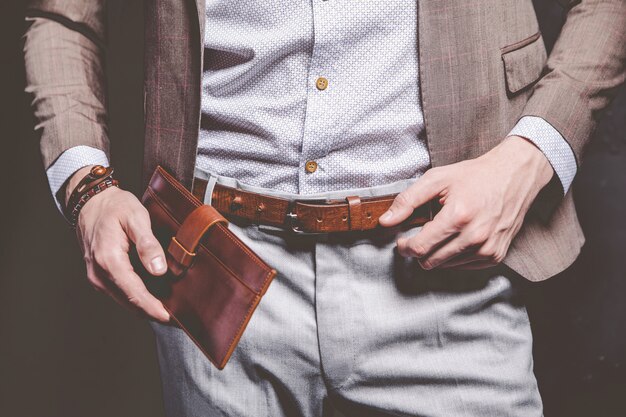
x: 214, y: 281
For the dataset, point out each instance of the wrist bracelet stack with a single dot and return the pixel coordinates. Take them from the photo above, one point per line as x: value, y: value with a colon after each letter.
x: 97, y: 180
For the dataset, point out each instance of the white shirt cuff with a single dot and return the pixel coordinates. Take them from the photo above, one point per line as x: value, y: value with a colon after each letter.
x: 552, y: 144
x: 68, y: 163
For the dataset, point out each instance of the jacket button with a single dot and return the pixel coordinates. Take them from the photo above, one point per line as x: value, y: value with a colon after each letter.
x: 321, y: 83
x: 310, y: 166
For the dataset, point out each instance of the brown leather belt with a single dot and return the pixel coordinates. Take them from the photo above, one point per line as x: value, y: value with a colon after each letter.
x: 306, y: 216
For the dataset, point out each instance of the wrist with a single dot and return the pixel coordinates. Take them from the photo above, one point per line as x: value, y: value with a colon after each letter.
x: 531, y: 160
x: 74, y: 180
x: 96, y: 180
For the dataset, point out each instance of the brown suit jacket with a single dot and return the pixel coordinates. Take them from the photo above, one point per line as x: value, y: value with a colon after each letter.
x: 483, y: 65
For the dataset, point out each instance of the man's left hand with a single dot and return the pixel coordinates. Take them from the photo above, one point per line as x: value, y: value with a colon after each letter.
x: 484, y: 201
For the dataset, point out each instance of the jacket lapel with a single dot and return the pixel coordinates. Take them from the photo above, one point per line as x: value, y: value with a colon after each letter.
x: 434, y: 69
x: 454, y: 90
x: 460, y: 79
x: 172, y: 86
x: 201, y: 9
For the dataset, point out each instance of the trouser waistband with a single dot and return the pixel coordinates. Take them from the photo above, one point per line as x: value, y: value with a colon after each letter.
x: 333, y: 211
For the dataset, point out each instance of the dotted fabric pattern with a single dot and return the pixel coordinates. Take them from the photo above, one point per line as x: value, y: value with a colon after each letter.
x: 552, y: 144
x: 264, y: 115
x: 69, y: 162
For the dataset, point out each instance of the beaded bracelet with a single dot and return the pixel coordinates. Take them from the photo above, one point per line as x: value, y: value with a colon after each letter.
x: 97, y: 180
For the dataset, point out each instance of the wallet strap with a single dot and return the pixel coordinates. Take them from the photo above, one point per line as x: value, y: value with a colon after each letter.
x: 182, y: 248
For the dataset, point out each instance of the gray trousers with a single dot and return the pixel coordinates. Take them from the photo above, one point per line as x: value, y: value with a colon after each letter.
x: 350, y: 322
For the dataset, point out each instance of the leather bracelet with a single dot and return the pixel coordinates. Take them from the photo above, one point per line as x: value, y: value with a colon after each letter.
x: 97, y: 180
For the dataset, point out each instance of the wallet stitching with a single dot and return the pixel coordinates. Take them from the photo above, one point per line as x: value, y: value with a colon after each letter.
x: 197, y: 203
x: 207, y: 354
x: 255, y: 301
x: 166, y: 177
x: 166, y: 210
x: 251, y: 307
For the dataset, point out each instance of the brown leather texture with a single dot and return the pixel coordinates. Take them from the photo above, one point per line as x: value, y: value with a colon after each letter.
x: 349, y: 214
x: 97, y: 179
x: 214, y: 281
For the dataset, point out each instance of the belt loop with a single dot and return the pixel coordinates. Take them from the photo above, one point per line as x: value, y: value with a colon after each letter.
x: 355, y: 215
x: 208, y: 193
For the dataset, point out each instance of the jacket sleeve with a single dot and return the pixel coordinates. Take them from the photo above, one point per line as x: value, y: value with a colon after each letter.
x: 582, y: 75
x: 64, y: 63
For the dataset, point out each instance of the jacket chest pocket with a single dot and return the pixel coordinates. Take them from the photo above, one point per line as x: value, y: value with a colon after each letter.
x: 524, y: 62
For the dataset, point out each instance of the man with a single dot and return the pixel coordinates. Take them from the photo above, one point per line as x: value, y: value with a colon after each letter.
x: 435, y: 100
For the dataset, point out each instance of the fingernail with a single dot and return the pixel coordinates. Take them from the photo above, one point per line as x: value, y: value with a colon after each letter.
x: 386, y: 215
x: 165, y: 317
x: 158, y: 264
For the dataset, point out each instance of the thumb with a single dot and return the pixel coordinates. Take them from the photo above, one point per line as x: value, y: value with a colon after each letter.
x: 426, y: 188
x: 148, y: 247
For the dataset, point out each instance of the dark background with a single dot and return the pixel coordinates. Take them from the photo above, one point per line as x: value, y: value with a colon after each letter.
x: 67, y: 351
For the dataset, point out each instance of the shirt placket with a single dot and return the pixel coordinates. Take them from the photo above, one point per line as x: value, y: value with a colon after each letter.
x: 317, y: 137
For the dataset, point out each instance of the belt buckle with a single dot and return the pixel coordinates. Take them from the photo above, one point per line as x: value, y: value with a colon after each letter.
x: 292, y: 219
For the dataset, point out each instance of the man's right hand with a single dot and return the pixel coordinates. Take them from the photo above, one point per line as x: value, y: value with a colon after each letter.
x: 107, y: 226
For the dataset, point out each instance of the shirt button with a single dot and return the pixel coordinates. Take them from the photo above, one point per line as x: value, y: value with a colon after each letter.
x: 310, y: 166
x: 321, y: 83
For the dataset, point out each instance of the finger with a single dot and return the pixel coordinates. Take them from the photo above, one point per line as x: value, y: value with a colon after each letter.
x: 427, y: 187
x: 463, y: 247
x: 476, y: 259
x: 99, y: 280
x: 468, y: 265
x: 121, y: 274
x: 432, y: 235
x: 463, y: 258
x: 102, y: 284
x: 451, y: 251
x: 138, y: 229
